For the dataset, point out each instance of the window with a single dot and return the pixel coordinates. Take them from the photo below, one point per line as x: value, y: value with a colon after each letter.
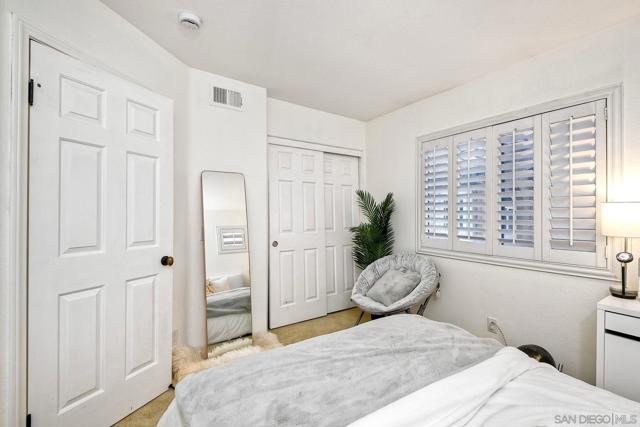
x: 524, y: 189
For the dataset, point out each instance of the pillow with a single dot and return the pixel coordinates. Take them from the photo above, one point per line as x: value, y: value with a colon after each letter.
x: 235, y: 281
x: 393, y: 286
x: 220, y: 284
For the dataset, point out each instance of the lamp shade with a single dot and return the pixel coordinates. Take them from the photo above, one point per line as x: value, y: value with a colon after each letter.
x: 620, y: 219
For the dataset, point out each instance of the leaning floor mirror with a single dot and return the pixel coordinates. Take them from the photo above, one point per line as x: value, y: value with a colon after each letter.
x: 226, y: 253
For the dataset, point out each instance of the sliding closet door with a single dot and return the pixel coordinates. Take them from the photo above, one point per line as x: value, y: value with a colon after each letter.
x: 297, y: 271
x: 341, y: 213
x: 100, y: 220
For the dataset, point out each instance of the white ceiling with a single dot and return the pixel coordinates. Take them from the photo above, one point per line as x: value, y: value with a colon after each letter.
x: 363, y: 58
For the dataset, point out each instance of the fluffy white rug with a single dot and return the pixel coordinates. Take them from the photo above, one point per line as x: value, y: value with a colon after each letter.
x: 187, y: 360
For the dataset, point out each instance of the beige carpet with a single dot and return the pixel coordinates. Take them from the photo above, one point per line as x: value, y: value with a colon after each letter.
x: 149, y: 414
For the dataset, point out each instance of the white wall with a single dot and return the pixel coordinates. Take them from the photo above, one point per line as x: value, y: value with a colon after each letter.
x: 223, y: 139
x: 291, y: 121
x: 555, y: 311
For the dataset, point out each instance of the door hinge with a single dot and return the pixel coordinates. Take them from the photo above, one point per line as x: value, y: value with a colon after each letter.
x: 606, y: 114
x: 30, y: 91
x: 28, y: 420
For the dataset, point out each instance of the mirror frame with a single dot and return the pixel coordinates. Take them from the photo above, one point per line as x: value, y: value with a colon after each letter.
x: 205, y: 351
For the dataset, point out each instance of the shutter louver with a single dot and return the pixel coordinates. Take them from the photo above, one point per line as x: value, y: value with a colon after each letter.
x: 232, y: 239
x: 572, y: 196
x: 515, y: 187
x: 471, y: 158
x: 436, y: 192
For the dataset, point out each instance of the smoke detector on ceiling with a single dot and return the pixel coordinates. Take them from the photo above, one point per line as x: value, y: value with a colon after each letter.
x: 189, y: 20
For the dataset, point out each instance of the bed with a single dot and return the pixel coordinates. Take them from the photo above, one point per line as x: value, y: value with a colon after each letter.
x: 228, y: 314
x: 402, y: 370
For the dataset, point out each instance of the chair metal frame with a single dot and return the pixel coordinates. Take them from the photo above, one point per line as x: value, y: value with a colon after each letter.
x: 420, y: 311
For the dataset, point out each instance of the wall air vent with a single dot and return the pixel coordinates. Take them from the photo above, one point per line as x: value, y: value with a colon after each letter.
x: 226, y: 98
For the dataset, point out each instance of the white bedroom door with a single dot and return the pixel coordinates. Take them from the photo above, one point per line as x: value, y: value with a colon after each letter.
x: 100, y: 221
x: 297, y: 271
x: 341, y: 213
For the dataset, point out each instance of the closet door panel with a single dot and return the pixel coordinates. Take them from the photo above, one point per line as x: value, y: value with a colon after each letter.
x: 341, y: 175
x: 297, y: 258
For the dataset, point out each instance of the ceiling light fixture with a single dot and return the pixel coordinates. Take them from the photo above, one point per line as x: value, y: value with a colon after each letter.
x: 189, y: 20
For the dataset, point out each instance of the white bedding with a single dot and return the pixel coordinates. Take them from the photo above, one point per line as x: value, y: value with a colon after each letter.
x: 227, y: 327
x: 508, y: 389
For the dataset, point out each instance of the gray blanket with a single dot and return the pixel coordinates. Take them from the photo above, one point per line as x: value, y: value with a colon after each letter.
x: 330, y: 380
x: 232, y: 301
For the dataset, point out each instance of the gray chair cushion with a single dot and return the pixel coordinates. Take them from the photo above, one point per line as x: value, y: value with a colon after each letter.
x: 414, y: 262
x: 394, y: 285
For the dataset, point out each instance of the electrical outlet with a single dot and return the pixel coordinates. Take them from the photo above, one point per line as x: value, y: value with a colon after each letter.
x: 492, y: 325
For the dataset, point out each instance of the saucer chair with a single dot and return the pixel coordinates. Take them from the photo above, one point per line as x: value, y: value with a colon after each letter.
x: 429, y: 283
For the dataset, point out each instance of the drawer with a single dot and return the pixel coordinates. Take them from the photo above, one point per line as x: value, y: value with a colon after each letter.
x: 620, y: 373
x: 620, y: 323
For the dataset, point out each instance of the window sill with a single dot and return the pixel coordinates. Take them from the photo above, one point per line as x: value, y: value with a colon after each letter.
x: 564, y: 269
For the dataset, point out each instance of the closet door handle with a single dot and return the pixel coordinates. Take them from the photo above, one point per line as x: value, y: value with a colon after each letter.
x: 274, y: 244
x: 167, y: 260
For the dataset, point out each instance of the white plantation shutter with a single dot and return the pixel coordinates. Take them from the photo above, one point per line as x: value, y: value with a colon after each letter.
x: 526, y: 189
x: 435, y: 197
x: 515, y: 144
x: 471, y: 191
x: 574, y: 161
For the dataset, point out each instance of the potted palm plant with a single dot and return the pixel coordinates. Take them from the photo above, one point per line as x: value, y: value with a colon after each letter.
x: 373, y: 239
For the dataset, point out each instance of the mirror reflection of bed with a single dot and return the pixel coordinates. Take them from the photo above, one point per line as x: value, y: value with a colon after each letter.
x: 226, y: 249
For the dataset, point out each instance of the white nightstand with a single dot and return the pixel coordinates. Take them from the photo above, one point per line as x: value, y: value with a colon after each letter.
x: 618, y: 347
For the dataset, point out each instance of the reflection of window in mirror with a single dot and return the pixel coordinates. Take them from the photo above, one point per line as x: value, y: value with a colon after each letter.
x: 231, y: 239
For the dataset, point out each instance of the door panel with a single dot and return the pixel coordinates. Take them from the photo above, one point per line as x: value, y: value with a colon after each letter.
x: 81, y: 324
x: 141, y: 119
x: 311, y: 274
x: 81, y: 197
x: 349, y: 269
x: 100, y: 219
x: 331, y: 269
x: 341, y: 182
x: 309, y: 204
x: 297, y: 274
x: 81, y: 101
x: 285, y: 264
x: 141, y: 200
x: 141, y: 323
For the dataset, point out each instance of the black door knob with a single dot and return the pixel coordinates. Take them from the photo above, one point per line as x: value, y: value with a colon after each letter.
x: 274, y: 244
x: 167, y: 260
